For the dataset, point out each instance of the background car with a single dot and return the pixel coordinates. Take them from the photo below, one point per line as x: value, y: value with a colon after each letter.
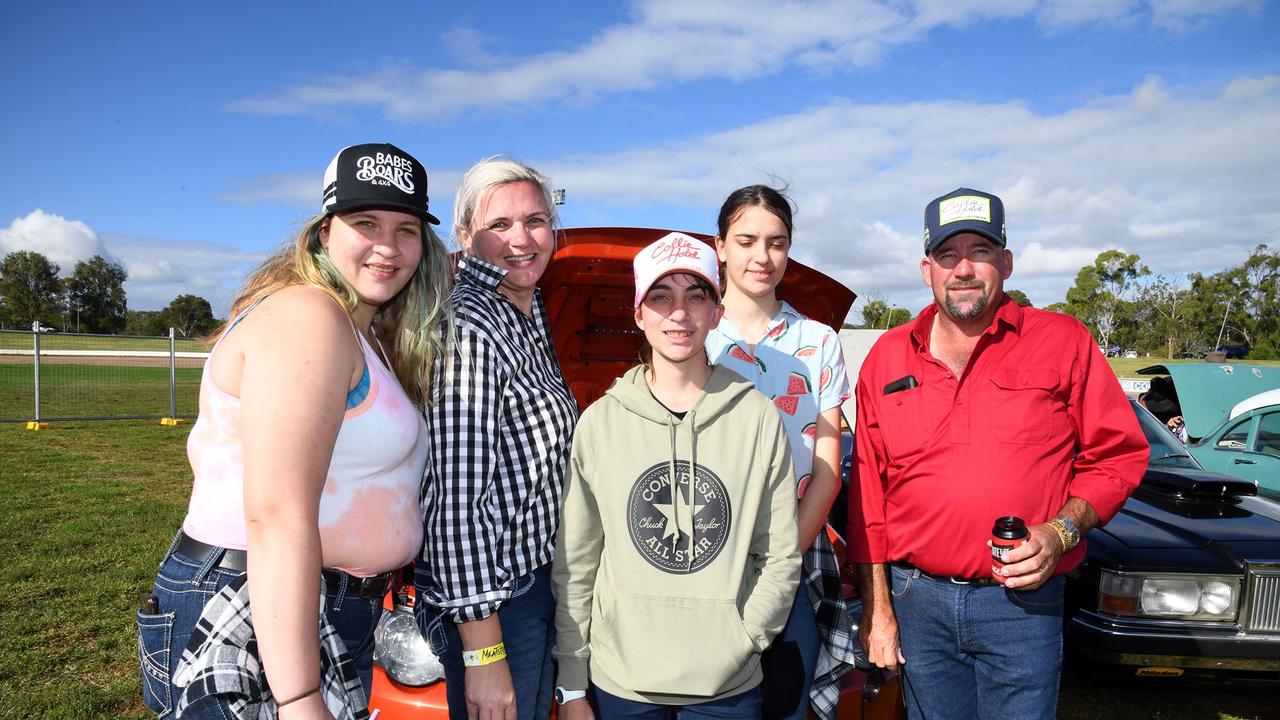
x: 1247, y: 443
x: 1204, y: 393
x: 587, y: 290
x: 1184, y: 581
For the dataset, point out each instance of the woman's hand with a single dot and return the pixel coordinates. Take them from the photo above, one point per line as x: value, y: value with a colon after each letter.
x: 490, y: 692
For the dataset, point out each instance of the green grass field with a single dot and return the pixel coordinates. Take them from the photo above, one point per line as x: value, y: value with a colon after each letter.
x: 10, y: 340
x: 97, y: 386
x: 90, y: 508
x: 1130, y: 367
x: 68, y: 391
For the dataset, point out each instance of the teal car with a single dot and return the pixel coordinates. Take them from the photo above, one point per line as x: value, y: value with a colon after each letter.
x: 1232, y: 415
x: 1247, y: 443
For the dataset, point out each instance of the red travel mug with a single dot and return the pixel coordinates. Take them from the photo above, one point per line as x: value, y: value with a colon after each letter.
x: 1008, y: 533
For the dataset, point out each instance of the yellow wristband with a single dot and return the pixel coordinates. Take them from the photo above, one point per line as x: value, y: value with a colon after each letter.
x: 484, y: 656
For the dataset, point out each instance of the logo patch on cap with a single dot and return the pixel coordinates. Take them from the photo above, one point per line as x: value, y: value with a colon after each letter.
x: 965, y: 207
x: 386, y: 169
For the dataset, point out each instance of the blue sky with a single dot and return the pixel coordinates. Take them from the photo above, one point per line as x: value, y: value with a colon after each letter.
x: 188, y: 140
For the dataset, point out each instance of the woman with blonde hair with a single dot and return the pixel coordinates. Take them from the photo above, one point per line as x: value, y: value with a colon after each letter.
x: 499, y: 436
x: 307, y: 458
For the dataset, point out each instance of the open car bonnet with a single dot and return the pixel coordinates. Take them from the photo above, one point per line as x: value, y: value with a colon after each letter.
x: 1207, y: 392
x: 588, y: 291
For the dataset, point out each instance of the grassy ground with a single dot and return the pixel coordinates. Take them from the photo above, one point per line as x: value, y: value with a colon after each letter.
x: 60, y: 341
x: 92, y: 390
x: 1129, y: 367
x: 90, y: 509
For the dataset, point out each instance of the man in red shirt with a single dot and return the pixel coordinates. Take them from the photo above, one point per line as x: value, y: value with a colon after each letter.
x: 976, y: 410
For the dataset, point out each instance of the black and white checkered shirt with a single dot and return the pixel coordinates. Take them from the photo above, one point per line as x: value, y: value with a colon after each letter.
x: 500, y: 430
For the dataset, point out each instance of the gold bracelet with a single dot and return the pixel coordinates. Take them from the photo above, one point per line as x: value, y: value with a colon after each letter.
x: 308, y: 693
x: 1064, y: 535
x: 484, y: 656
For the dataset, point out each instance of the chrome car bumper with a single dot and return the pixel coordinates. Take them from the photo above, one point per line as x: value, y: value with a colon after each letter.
x: 1171, y: 643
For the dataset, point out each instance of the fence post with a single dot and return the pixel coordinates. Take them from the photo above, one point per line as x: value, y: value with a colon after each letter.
x: 35, y: 366
x: 173, y: 381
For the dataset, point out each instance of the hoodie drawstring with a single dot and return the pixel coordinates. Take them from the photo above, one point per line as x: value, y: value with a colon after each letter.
x: 675, y: 482
x: 693, y: 476
x: 677, y: 508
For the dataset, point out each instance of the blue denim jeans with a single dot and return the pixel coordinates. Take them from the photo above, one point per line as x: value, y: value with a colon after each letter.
x: 790, y: 662
x: 978, y: 651
x: 743, y: 706
x: 528, y: 632
x: 182, y: 587
x: 355, y: 618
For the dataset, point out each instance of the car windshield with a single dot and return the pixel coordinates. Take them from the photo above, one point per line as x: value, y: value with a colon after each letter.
x: 1166, y: 449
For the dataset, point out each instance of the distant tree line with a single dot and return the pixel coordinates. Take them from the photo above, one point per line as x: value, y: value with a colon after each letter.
x: 1117, y: 297
x: 90, y: 300
x: 1127, y: 307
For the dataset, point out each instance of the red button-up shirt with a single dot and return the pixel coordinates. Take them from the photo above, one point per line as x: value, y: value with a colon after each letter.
x: 1036, y: 417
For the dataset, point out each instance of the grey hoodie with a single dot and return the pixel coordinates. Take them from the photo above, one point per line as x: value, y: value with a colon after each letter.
x: 670, y: 597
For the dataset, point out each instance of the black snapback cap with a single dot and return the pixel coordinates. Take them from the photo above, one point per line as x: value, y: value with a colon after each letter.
x: 376, y: 175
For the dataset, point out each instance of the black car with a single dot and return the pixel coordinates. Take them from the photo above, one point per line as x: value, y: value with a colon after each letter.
x: 1185, y: 580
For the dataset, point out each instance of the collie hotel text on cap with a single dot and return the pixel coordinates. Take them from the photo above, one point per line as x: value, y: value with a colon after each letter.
x: 671, y: 253
x: 376, y: 175
x: 963, y: 210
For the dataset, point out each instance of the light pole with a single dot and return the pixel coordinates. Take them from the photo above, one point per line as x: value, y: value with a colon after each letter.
x: 1224, y: 325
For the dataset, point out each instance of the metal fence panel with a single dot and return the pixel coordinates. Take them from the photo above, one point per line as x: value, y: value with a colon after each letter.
x: 97, y: 377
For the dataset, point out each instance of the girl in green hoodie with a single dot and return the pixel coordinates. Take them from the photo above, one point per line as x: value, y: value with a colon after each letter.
x: 677, y: 557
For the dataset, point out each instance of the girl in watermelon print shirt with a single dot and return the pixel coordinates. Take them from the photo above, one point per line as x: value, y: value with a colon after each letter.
x: 798, y: 363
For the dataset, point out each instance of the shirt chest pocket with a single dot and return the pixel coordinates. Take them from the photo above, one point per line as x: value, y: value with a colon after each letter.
x: 902, y: 423
x: 1025, y: 405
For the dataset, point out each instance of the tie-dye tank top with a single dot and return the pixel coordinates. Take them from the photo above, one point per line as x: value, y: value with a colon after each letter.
x: 369, y: 521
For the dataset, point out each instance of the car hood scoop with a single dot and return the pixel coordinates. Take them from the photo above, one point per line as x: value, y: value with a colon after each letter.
x: 1177, y: 508
x: 1193, y: 485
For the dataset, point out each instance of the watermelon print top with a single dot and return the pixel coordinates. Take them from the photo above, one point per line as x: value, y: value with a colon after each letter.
x: 799, y: 364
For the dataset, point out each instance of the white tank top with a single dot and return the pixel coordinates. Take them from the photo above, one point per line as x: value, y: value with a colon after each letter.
x: 369, y: 517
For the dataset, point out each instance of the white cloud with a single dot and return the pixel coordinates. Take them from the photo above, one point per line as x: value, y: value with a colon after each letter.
x: 672, y: 41
x: 1250, y: 87
x: 159, y: 269
x: 1184, y: 178
x: 63, y: 241
x: 1180, y: 15
x: 297, y: 189
x: 302, y: 190
x: 1074, y: 13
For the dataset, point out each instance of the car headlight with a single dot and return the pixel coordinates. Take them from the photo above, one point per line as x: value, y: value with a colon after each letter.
x: 400, y: 650
x: 1167, y: 595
